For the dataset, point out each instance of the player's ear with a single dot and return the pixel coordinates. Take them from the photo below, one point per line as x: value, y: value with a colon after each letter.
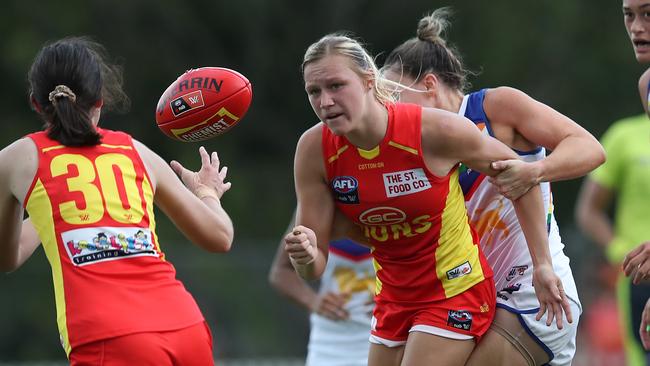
x: 99, y: 103
x: 370, y: 82
x: 430, y: 82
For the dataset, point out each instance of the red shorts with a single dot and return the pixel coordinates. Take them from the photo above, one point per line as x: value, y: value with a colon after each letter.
x: 465, y: 316
x: 187, y: 346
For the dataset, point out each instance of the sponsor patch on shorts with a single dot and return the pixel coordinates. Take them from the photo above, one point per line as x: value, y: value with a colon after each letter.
x: 459, y: 319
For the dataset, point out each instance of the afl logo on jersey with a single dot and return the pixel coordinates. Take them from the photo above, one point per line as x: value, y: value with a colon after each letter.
x: 346, y: 189
x: 382, y: 216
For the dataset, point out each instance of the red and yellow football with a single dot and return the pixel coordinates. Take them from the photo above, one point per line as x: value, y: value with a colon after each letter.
x: 203, y: 103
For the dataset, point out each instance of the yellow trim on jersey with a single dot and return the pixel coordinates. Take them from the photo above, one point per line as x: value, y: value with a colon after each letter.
x: 39, y: 208
x: 402, y: 147
x: 378, y: 284
x: 456, y: 248
x: 338, y: 153
x: 55, y: 147
x: 147, y: 192
x: 125, y: 147
x: 369, y: 154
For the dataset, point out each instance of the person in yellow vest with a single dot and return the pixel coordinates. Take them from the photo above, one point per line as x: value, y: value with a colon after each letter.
x: 626, y: 177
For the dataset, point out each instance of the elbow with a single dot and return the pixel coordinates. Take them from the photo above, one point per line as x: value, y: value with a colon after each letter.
x: 595, y: 153
x: 219, y: 243
x: 601, y: 156
x: 223, y: 245
x: 274, y: 278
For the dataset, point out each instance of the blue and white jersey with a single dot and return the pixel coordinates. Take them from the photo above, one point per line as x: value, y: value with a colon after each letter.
x: 493, y: 217
x: 349, y: 271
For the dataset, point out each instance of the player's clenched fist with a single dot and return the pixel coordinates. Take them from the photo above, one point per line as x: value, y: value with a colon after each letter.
x: 300, y: 245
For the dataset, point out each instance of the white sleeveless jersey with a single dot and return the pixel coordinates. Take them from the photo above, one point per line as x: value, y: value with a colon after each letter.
x: 349, y: 270
x: 501, y: 238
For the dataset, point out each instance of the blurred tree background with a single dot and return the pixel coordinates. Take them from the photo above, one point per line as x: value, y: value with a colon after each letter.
x: 572, y: 55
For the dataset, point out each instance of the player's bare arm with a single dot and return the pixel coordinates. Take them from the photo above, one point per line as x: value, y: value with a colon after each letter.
x: 202, y: 220
x: 523, y: 123
x: 307, y: 243
x: 15, y: 180
x: 458, y: 137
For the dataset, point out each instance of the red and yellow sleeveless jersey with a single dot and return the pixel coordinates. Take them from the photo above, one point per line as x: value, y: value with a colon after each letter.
x: 422, y: 244
x: 93, y: 210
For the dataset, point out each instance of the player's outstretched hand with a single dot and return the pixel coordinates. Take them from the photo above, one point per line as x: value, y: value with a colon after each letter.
x: 331, y: 305
x: 516, y: 177
x: 300, y: 245
x: 208, y: 179
x: 552, y: 298
x: 636, y: 264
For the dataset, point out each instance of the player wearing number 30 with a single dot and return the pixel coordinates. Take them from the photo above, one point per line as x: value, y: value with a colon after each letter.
x: 90, y: 195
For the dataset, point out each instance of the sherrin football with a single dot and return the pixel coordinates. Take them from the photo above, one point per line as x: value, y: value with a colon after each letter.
x: 203, y: 103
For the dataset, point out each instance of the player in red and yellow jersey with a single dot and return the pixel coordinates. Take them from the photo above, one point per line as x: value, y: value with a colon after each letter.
x: 434, y: 73
x: 90, y: 195
x: 392, y: 170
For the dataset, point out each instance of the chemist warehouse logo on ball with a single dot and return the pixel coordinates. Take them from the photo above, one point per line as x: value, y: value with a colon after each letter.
x: 390, y: 223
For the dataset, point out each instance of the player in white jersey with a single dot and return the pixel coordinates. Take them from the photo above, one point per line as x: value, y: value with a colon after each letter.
x: 341, y: 310
x: 434, y: 77
x: 493, y: 217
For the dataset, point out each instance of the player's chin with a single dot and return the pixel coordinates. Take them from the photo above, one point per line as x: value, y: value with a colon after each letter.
x: 338, y: 126
x: 642, y: 56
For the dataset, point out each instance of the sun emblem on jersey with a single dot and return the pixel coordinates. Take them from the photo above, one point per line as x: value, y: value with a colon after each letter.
x: 350, y: 281
x: 488, y: 223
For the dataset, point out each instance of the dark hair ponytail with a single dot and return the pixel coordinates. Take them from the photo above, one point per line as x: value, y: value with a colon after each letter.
x: 68, y: 78
x: 428, y: 52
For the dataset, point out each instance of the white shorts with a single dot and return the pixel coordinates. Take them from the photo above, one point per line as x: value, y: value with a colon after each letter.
x: 338, y: 343
x: 559, y: 344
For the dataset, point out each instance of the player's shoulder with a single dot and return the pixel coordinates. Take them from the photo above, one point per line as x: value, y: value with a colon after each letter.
x: 501, y: 92
x: 18, y: 150
x: 504, y: 98
x: 441, y: 124
x: 19, y: 160
x: 312, y: 137
x: 314, y: 131
x: 153, y: 162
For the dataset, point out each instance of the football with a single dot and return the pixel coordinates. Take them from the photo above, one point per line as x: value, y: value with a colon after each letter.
x: 203, y: 103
